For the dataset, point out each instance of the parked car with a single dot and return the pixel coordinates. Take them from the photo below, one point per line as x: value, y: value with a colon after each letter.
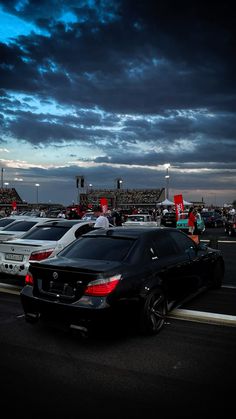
x: 139, y: 220
x: 182, y: 223
x: 212, y: 219
x: 115, y: 275
x: 230, y: 225
x: 89, y: 216
x: 20, y: 226
x: 168, y: 219
x: 40, y: 242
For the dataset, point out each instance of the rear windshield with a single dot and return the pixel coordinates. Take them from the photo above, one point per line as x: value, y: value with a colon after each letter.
x: 6, y: 221
x: 47, y: 232
x: 135, y: 218
x: 20, y: 226
x: 100, y: 248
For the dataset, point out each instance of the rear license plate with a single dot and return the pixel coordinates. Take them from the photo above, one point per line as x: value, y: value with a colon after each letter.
x: 12, y: 256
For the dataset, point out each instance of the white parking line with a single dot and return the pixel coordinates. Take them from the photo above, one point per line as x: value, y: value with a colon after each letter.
x: 10, y: 289
x: 226, y: 241
x: 203, y: 317
x: 219, y: 241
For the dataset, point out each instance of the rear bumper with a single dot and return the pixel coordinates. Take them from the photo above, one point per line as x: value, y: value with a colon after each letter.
x: 84, y: 312
x: 14, y: 269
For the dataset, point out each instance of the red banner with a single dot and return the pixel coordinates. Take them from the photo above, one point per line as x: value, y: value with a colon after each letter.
x: 104, y: 204
x: 179, y: 205
x: 13, y: 204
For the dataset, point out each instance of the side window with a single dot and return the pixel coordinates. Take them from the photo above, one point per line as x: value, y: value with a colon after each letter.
x: 165, y: 245
x: 83, y: 230
x: 184, y: 243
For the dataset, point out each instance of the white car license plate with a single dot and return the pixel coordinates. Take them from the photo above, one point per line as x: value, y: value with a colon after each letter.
x: 12, y: 256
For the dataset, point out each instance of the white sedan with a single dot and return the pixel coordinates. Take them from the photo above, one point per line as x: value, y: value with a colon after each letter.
x: 139, y: 220
x: 41, y: 242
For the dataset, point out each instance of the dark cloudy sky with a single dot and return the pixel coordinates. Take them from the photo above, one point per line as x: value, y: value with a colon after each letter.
x: 109, y: 89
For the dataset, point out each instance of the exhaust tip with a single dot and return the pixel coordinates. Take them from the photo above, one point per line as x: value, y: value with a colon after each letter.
x: 80, y: 328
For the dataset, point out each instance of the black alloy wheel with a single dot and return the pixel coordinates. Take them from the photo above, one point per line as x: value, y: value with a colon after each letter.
x: 153, y: 312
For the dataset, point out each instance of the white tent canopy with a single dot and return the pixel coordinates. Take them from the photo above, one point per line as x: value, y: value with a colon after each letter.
x: 166, y: 202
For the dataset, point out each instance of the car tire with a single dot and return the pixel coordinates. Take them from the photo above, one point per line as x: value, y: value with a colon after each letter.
x: 218, y: 275
x: 152, y: 314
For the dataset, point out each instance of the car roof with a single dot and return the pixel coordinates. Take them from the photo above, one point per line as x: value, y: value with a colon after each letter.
x: 65, y: 223
x: 127, y: 232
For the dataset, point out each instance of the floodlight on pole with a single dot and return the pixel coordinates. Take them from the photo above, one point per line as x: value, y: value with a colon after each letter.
x: 119, y: 183
x: 167, y: 177
x: 37, y: 193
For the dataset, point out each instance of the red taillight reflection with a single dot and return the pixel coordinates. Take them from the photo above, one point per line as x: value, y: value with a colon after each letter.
x: 40, y: 255
x: 29, y: 279
x: 102, y: 287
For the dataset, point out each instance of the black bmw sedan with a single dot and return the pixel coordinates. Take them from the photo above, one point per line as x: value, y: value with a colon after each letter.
x: 120, y: 274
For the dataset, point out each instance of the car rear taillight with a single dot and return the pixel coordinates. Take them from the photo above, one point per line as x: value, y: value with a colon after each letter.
x: 102, y: 287
x: 234, y: 225
x: 41, y: 254
x: 29, y: 280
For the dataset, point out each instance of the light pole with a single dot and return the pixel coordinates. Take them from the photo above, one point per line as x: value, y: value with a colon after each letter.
x: 167, y: 177
x: 37, y: 193
x: 2, y: 177
x: 119, y: 183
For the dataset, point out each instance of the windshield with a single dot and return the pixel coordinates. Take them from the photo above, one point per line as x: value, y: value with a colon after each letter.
x: 100, y: 248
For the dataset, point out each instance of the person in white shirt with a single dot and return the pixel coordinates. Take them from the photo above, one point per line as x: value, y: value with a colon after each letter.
x: 61, y: 215
x: 102, y: 220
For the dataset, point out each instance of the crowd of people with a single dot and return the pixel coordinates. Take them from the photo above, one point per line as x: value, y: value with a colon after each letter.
x: 8, y: 195
x: 125, y: 198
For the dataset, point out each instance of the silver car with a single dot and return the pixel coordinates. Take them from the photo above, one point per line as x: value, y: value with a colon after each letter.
x: 41, y: 242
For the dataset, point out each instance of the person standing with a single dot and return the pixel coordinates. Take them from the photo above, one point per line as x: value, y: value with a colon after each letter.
x: 191, y: 220
x: 117, y: 220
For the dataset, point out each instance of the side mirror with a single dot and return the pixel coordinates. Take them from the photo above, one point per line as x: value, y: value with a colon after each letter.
x: 202, y: 246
